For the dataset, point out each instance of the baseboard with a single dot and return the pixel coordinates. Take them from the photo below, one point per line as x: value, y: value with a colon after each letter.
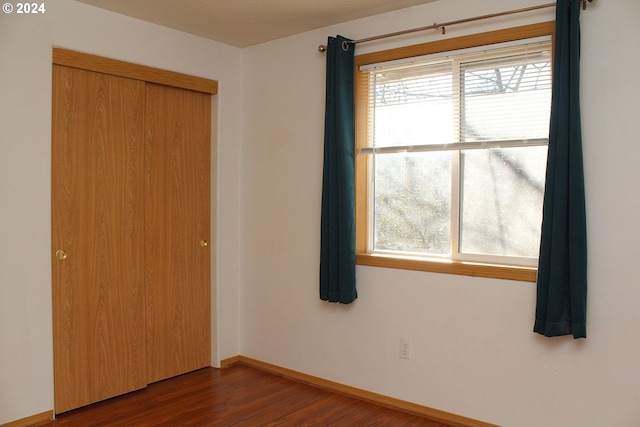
x: 379, y: 399
x: 33, y: 420
x: 225, y: 363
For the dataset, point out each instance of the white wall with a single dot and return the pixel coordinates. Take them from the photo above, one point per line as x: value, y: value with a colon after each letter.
x: 26, y: 41
x: 474, y: 352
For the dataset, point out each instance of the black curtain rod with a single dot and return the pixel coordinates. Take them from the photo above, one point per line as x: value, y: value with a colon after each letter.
x: 442, y: 26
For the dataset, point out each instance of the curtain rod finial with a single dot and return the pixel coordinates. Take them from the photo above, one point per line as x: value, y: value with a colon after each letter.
x: 322, y: 48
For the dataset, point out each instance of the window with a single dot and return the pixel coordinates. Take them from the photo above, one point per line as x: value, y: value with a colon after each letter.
x: 451, y: 153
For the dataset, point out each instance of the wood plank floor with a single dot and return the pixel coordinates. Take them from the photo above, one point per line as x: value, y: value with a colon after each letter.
x: 236, y: 396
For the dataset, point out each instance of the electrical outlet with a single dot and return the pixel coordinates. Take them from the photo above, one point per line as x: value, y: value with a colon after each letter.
x: 405, y: 348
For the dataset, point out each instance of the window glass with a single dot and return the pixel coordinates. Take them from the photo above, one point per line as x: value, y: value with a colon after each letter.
x: 413, y: 202
x: 501, y: 201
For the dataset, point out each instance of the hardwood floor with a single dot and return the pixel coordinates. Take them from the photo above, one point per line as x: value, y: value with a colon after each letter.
x: 236, y: 396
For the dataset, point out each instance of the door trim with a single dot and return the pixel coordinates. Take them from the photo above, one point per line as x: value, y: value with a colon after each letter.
x: 116, y: 67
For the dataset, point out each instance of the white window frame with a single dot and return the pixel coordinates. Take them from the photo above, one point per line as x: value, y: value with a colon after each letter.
x: 515, y: 268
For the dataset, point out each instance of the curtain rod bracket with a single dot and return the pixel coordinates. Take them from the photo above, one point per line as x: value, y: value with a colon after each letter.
x: 345, y: 46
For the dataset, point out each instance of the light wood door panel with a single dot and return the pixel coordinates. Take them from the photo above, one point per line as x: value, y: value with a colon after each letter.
x: 97, y: 218
x: 177, y: 188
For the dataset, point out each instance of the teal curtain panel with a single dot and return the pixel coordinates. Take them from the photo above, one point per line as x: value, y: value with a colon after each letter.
x: 338, y: 233
x: 561, y: 307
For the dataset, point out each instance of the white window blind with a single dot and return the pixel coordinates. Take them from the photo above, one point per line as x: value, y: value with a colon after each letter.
x: 488, y: 99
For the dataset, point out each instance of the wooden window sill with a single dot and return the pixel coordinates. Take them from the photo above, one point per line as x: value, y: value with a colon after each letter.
x: 495, y: 271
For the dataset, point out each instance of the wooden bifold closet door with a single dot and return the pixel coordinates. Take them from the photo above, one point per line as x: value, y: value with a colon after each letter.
x: 130, y: 224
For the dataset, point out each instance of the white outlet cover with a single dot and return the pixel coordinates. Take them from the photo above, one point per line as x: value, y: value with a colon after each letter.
x: 405, y: 348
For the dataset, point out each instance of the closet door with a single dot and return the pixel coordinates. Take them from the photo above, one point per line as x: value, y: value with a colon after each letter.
x: 177, y: 188
x: 97, y: 236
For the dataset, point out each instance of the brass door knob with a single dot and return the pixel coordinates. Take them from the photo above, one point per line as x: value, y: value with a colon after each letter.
x: 61, y: 255
x: 204, y: 243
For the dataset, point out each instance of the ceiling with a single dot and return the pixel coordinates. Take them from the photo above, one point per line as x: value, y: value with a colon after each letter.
x: 244, y: 23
